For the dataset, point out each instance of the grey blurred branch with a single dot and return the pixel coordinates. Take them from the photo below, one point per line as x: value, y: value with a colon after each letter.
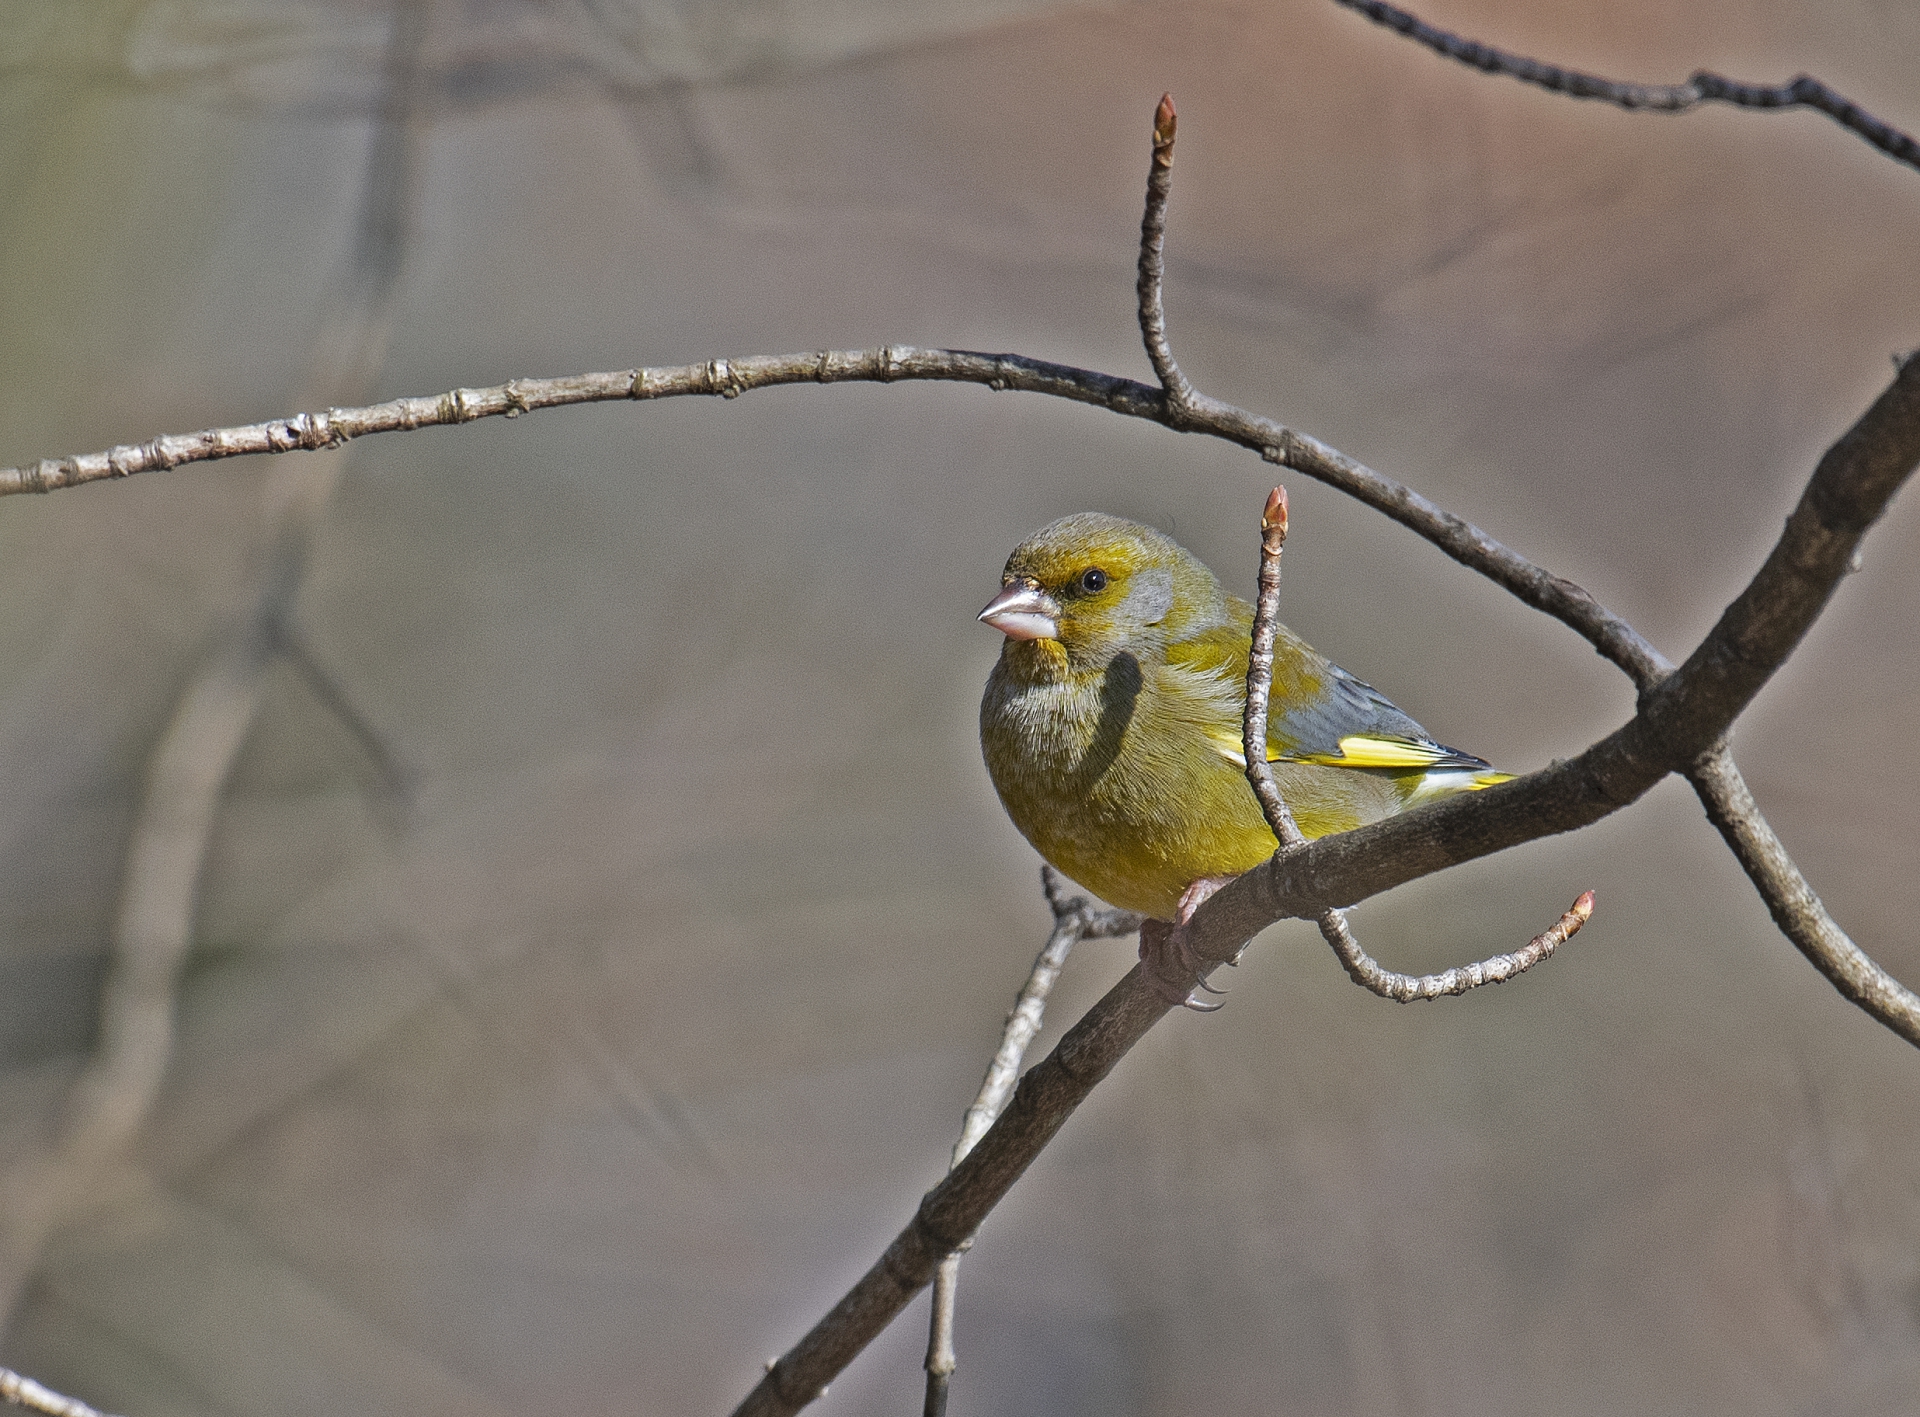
x: 1703, y: 87
x: 153, y: 927
x: 23, y: 1391
x: 1074, y: 919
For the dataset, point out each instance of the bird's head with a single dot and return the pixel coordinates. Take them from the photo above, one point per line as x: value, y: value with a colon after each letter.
x: 1089, y: 586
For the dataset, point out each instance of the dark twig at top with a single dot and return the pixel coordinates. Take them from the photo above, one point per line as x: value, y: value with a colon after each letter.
x: 1703, y: 87
x: 1361, y: 967
x: 1074, y: 919
x: 1153, y: 266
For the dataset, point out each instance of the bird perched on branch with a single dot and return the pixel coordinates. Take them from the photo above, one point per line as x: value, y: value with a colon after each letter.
x: 1112, y: 722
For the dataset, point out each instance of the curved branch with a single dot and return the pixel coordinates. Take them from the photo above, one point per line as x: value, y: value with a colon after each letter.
x: 1791, y: 901
x: 1466, y: 543
x: 1335, y: 929
x: 1703, y: 87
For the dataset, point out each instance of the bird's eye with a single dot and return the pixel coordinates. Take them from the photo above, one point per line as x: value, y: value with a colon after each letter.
x: 1093, y: 581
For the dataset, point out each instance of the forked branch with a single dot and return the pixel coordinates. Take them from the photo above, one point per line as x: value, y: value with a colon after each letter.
x: 1335, y: 928
x: 1074, y: 919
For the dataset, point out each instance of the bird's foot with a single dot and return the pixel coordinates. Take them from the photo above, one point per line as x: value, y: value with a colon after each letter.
x: 1166, y: 959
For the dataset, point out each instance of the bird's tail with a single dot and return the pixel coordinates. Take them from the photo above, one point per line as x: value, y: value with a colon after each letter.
x: 1445, y: 782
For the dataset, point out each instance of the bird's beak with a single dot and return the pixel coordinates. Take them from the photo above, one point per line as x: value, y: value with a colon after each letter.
x: 1024, y: 612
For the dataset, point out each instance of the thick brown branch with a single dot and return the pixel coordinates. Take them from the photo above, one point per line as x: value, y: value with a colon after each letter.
x: 953, y: 1210
x: 1679, y: 719
x: 1703, y: 87
x: 1791, y: 901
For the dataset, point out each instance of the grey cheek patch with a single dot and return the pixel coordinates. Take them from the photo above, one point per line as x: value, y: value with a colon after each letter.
x: 1151, y: 596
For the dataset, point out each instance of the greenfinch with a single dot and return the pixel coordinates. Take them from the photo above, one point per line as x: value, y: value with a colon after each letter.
x: 1111, y: 724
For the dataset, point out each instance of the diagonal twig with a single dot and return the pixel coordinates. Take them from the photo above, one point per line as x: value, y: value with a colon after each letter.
x: 1361, y: 967
x: 1074, y: 919
x: 1792, y: 902
x: 22, y: 1391
x: 1704, y: 87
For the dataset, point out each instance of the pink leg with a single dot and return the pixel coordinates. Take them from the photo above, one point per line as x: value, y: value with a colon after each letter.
x: 1169, y: 963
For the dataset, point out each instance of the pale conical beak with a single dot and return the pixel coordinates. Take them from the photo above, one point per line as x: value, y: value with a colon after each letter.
x: 1024, y: 612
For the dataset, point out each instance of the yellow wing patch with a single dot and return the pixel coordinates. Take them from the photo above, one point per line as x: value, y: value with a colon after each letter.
x: 1364, y: 751
x: 1358, y: 750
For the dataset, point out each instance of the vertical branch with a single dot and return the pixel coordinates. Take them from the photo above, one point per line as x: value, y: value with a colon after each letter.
x: 1253, y: 719
x: 195, y: 754
x: 1074, y: 920
x: 1361, y: 967
x: 1153, y: 240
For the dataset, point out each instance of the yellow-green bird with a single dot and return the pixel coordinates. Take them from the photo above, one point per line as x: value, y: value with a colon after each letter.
x: 1111, y: 723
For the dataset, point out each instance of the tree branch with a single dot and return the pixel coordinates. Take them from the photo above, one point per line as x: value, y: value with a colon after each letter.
x: 1791, y: 901
x: 1074, y: 919
x: 1703, y: 87
x: 1335, y: 929
x: 1153, y: 265
x: 23, y: 1391
x: 196, y: 751
x: 1680, y: 715
x: 1466, y: 543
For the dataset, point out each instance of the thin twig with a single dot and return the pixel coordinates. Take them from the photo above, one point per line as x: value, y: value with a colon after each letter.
x: 1375, y: 977
x: 1703, y: 87
x: 1153, y: 270
x: 1335, y: 929
x: 1466, y: 543
x: 1253, y: 716
x: 23, y: 1391
x: 1792, y: 902
x: 1074, y: 919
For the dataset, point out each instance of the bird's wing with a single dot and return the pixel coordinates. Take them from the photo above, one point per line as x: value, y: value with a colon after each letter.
x: 1320, y: 714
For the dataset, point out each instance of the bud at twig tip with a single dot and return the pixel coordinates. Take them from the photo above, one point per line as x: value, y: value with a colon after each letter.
x: 1274, y: 518
x: 1583, y: 907
x: 1164, y: 121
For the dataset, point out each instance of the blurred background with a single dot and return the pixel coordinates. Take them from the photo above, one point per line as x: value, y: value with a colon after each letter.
x: 606, y: 917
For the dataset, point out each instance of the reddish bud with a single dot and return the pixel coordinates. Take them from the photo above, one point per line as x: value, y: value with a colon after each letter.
x: 1274, y: 518
x: 1164, y: 120
x: 1583, y: 907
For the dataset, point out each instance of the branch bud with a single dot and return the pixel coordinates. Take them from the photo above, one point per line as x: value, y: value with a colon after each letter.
x: 1164, y: 122
x: 1273, y: 520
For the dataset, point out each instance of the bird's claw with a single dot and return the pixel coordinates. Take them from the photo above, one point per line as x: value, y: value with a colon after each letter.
x: 1171, y: 968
